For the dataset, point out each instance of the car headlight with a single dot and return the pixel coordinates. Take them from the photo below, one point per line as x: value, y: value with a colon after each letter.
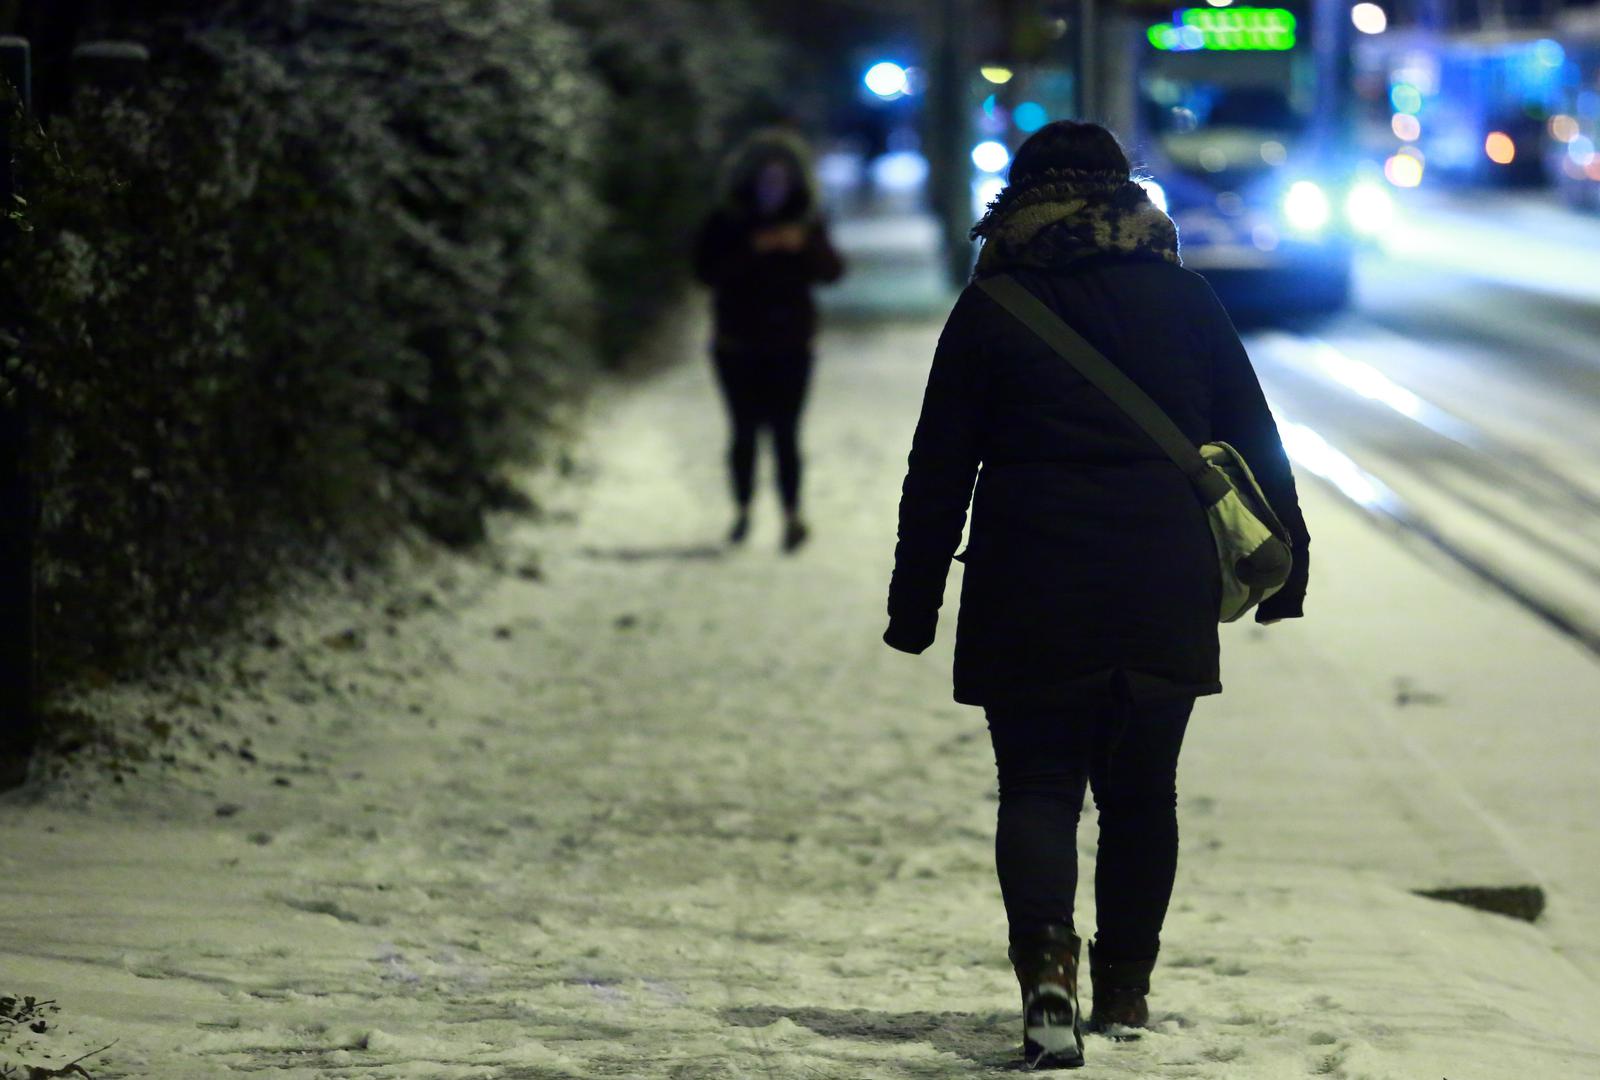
x: 1306, y: 206
x: 1369, y: 208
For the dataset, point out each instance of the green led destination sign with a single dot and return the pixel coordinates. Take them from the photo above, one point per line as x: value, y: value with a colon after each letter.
x: 1231, y: 29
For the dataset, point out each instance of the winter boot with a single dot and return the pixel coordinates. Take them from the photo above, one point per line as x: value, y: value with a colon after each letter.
x: 795, y: 533
x: 1047, y: 971
x: 741, y: 527
x: 1120, y: 986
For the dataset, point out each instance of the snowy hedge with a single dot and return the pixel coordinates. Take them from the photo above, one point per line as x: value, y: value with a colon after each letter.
x: 324, y: 276
x: 680, y: 74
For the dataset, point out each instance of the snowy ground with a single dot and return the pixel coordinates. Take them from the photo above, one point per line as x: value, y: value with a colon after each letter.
x: 617, y: 803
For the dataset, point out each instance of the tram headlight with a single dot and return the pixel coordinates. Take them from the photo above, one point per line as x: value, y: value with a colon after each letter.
x: 1306, y: 206
x: 1369, y: 208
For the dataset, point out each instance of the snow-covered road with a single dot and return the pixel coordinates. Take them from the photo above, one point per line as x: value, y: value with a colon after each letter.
x: 618, y: 803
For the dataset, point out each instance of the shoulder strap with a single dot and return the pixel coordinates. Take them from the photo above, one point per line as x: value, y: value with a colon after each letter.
x: 1029, y: 310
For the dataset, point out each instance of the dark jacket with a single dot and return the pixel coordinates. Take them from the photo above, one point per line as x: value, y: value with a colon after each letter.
x: 1089, y: 552
x: 762, y: 299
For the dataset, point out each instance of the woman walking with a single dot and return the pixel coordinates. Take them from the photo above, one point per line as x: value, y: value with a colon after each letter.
x: 761, y: 251
x: 1089, y: 608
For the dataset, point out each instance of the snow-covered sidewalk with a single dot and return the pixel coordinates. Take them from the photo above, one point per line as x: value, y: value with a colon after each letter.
x: 622, y: 804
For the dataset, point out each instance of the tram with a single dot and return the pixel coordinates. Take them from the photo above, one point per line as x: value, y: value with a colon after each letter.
x: 1238, y: 119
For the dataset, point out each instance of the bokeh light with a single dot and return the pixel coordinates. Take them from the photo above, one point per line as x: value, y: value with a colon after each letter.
x: 900, y: 170
x: 1581, y: 150
x: 1157, y: 193
x: 1030, y: 116
x: 984, y: 192
x: 1404, y: 169
x: 996, y: 74
x: 1306, y: 206
x: 1500, y: 148
x: 1407, y: 128
x: 1369, y: 18
x: 887, y: 79
x: 1406, y: 98
x: 1549, y: 53
x: 1563, y: 128
x: 991, y: 156
x: 1369, y: 208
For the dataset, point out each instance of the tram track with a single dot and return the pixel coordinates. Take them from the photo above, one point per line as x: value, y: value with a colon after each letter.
x: 1492, y: 507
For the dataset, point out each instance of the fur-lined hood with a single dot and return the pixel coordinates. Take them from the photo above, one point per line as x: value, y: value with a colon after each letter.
x: 1069, y: 214
x: 740, y: 169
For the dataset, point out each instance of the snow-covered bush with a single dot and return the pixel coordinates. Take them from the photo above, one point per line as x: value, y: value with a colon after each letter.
x: 682, y: 75
x: 324, y: 276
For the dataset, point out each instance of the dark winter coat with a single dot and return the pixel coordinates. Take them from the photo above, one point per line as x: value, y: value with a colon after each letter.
x: 1089, y: 553
x: 763, y: 299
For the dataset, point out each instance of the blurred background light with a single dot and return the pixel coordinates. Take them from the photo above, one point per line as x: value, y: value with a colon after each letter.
x: 839, y: 169
x: 1030, y: 116
x: 1274, y: 152
x: 1500, y: 148
x: 1306, y: 206
x: 1581, y: 150
x: 1549, y: 53
x: 991, y: 156
x: 1563, y: 128
x: 1404, y: 169
x: 886, y: 79
x: 900, y: 170
x: 984, y: 192
x: 1157, y: 193
x: 1163, y: 36
x: 1406, y: 98
x: 996, y: 74
x: 1369, y: 208
x: 1406, y: 127
x: 1369, y: 18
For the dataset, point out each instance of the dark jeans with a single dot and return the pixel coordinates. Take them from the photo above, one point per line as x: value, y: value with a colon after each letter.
x: 764, y: 390
x: 1128, y: 755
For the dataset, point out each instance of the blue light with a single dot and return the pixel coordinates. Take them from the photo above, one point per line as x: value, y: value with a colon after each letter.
x: 1030, y: 116
x: 1406, y: 98
x: 1549, y: 53
x: 991, y: 156
x: 887, y: 79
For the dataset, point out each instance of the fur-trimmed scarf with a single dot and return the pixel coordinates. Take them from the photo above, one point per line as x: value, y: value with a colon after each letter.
x: 1067, y: 214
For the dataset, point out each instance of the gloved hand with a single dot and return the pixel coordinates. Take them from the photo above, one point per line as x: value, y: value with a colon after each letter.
x: 911, y: 635
x: 1268, y: 612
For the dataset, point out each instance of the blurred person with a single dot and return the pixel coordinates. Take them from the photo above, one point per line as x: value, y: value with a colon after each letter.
x: 761, y: 251
x: 1089, y: 608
